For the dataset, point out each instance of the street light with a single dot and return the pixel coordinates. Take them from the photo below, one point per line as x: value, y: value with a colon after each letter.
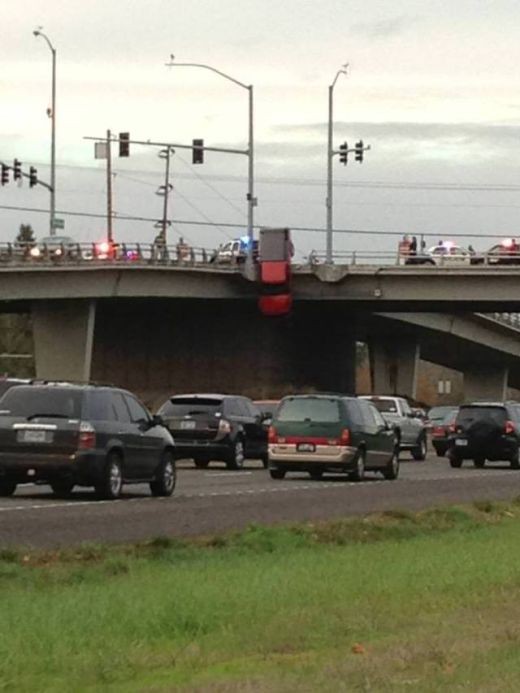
x: 38, y: 32
x: 251, y: 200
x: 330, y: 155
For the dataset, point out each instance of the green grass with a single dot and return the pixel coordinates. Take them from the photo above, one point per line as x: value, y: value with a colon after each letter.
x: 392, y: 602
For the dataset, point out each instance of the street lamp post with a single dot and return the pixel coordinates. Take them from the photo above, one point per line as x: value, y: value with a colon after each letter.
x: 330, y: 156
x: 251, y: 199
x: 38, y: 32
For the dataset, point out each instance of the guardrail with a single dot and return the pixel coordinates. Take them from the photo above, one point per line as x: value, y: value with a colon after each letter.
x: 50, y: 254
x: 382, y: 258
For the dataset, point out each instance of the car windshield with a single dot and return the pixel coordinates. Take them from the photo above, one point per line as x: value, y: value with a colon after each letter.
x: 385, y: 406
x: 190, y: 406
x: 33, y: 402
x: 309, y: 409
x: 467, y: 415
x: 438, y: 413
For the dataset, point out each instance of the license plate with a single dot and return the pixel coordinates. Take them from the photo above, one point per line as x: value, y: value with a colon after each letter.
x: 187, y: 425
x: 34, y: 436
x: 461, y: 442
x: 306, y: 447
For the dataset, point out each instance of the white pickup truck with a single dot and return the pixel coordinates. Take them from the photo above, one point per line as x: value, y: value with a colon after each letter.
x: 410, y: 430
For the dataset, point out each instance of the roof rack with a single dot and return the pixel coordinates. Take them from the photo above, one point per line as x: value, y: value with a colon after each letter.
x: 56, y: 381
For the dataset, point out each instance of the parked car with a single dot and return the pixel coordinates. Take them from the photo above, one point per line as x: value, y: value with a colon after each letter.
x: 436, y: 415
x: 63, y: 434
x: 486, y: 431
x: 56, y: 248
x: 443, y: 254
x: 331, y: 433
x: 441, y: 432
x: 505, y: 253
x: 7, y: 383
x: 410, y: 430
x: 207, y: 427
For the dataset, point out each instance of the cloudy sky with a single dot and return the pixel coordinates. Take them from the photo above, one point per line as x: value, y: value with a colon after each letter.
x: 433, y: 86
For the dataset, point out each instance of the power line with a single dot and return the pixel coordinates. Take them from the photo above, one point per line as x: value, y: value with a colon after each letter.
x: 192, y: 222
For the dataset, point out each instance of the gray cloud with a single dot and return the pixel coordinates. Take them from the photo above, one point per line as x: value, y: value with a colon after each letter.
x: 383, y: 28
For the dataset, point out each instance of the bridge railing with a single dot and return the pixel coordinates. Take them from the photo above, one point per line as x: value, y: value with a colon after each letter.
x: 51, y: 254
x: 386, y: 258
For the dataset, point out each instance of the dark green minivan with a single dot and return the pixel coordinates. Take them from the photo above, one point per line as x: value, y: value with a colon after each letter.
x: 331, y: 433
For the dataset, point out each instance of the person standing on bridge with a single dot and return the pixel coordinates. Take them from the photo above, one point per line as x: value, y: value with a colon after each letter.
x: 413, y: 246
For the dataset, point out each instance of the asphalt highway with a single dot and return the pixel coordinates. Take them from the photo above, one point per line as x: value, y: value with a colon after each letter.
x: 216, y: 500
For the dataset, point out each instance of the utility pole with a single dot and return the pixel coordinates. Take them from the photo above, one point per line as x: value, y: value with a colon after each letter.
x: 109, y: 187
x: 165, y: 191
x: 330, y: 155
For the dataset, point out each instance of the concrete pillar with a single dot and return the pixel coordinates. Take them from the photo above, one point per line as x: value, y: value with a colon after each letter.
x: 63, y: 333
x: 488, y: 383
x: 394, y: 366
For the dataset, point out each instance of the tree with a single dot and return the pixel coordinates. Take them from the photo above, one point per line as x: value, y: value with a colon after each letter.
x: 25, y: 234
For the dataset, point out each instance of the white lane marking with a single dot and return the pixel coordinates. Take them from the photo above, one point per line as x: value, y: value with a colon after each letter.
x: 316, y: 486
x: 228, y: 473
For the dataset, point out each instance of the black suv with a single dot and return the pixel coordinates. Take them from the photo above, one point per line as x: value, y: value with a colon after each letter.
x: 64, y: 434
x: 486, y: 431
x: 207, y: 427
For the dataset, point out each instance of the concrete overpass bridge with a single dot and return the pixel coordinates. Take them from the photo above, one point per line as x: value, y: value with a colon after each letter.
x: 161, y: 327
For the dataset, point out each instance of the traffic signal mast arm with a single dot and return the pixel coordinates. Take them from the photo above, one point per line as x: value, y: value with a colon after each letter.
x: 32, y: 176
x: 175, y: 146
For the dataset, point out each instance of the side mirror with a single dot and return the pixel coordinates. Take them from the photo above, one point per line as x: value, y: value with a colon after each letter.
x: 157, y: 420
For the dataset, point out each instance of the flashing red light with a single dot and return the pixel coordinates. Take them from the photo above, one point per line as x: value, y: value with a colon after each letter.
x: 507, y: 243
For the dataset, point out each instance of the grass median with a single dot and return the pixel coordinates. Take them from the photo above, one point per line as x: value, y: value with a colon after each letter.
x: 396, y: 601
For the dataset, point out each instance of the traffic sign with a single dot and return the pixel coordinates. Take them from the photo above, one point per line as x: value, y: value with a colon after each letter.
x: 58, y: 223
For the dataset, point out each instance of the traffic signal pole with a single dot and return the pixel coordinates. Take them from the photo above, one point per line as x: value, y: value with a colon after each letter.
x: 110, y: 236
x: 330, y: 156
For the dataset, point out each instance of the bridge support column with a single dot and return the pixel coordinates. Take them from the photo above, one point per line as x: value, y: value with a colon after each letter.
x: 393, y: 366
x: 486, y: 383
x: 63, y: 333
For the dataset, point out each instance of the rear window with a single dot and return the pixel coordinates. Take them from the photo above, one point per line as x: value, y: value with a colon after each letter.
x: 309, y: 409
x: 467, y: 415
x: 6, y: 385
x: 33, y: 401
x: 438, y: 413
x: 190, y: 406
x: 387, y: 406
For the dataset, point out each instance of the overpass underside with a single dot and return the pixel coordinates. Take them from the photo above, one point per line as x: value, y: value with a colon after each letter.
x: 161, y: 346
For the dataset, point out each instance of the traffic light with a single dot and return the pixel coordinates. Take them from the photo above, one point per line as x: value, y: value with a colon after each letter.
x: 5, y: 174
x: 198, y: 152
x: 359, y: 151
x: 124, y: 144
x: 17, y: 170
x: 33, y: 177
x: 343, y: 153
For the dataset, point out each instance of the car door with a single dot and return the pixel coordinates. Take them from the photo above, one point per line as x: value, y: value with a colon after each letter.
x: 125, y: 433
x: 256, y: 431
x: 370, y: 431
x: 409, y: 427
x: 384, y: 439
x: 239, y: 417
x: 148, y: 443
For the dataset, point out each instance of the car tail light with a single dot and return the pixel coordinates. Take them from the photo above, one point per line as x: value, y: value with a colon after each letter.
x: 344, y: 438
x: 438, y: 432
x: 272, y: 436
x: 87, y: 436
x: 452, y: 428
x: 224, y: 426
x: 509, y: 427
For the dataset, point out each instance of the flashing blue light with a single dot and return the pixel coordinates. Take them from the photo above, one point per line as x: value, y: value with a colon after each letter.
x: 244, y: 240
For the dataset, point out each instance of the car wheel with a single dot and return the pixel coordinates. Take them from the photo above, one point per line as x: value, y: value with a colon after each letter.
x: 420, y: 450
x: 391, y: 471
x: 111, y: 483
x: 7, y: 487
x: 316, y: 474
x: 358, y: 474
x: 166, y: 477
x: 515, y: 460
x: 479, y: 462
x: 455, y: 462
x: 277, y: 473
x: 201, y: 464
x: 62, y: 488
x: 236, y: 455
